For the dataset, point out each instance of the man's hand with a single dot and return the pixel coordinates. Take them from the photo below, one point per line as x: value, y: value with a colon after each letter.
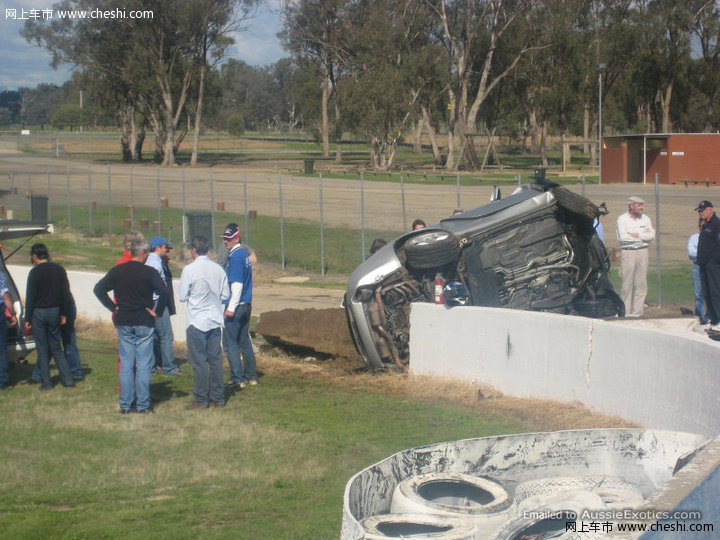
x: 253, y: 258
x: 63, y: 320
x: 151, y: 312
x: 27, y: 326
x: 229, y: 314
x: 12, y: 320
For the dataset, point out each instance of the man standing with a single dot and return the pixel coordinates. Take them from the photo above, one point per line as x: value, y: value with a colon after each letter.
x: 7, y: 318
x: 708, y: 258
x: 634, y: 232
x: 47, y: 304
x: 159, y: 248
x: 236, y: 338
x: 692, y: 248
x: 204, y: 286
x: 134, y: 285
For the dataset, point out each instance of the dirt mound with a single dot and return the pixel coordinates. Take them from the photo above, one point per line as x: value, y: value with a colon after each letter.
x: 316, y: 331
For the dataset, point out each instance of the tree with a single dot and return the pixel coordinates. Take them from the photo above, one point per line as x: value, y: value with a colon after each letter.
x: 471, y: 32
x: 315, y: 31
x: 71, y: 116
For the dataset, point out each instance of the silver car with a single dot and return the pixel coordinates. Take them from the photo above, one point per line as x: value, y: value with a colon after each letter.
x: 19, y: 345
x: 536, y: 250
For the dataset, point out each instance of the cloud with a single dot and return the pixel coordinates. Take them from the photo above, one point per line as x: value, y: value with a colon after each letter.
x: 27, y: 65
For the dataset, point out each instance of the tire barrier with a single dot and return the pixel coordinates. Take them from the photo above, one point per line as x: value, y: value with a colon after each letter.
x: 427, y: 526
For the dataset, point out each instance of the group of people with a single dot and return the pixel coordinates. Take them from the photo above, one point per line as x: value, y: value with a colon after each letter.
x: 219, y: 303
x: 50, y: 316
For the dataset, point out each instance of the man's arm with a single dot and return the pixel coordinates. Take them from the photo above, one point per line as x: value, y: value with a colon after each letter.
x: 161, y: 290
x: 7, y: 299
x: 184, y: 285
x: 30, y: 295
x: 101, y: 290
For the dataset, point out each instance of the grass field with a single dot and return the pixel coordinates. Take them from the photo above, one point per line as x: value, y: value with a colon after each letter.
x: 272, y: 464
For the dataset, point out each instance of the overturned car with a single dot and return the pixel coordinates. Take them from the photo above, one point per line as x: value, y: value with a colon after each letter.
x: 536, y: 249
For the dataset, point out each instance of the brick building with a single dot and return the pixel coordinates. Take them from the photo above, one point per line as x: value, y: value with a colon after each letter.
x: 677, y: 158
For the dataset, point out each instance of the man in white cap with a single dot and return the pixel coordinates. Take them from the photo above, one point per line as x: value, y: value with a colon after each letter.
x: 634, y: 232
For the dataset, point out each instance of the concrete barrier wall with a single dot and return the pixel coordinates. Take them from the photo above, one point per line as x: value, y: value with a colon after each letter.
x: 654, y: 378
x: 81, y: 285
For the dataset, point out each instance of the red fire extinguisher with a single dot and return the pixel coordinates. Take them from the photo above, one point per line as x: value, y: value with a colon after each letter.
x: 439, y: 289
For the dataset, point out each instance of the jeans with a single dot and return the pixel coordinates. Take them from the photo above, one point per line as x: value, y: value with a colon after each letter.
x: 205, y: 358
x: 69, y: 342
x: 4, y: 366
x: 135, y: 348
x: 236, y: 340
x: 46, y: 330
x: 163, y: 347
x: 699, y: 298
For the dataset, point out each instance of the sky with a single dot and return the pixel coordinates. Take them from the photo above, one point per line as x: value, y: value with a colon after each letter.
x: 22, y: 64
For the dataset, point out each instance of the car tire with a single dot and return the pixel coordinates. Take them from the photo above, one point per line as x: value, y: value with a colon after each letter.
x: 596, y: 308
x: 431, y: 249
x: 386, y: 526
x: 574, y: 203
x: 451, y: 494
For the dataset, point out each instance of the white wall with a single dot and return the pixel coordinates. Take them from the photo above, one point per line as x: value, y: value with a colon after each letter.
x: 654, y: 378
x: 89, y: 307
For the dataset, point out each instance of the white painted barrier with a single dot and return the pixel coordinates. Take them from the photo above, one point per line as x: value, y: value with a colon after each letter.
x: 660, y: 380
x: 89, y: 307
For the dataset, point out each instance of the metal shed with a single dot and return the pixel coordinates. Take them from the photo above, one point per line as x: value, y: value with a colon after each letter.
x: 677, y: 158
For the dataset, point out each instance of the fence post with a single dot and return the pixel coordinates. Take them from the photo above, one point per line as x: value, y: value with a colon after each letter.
x: 12, y: 190
x: 30, y: 189
x: 402, y: 204
x: 282, y: 222
x: 132, y: 199
x: 582, y: 181
x: 322, y: 228
x: 362, y: 216
x: 90, y: 201
x: 109, y: 182
x: 457, y: 191
x: 67, y: 195
x: 245, y: 209
x: 159, y: 204
x: 657, y: 238
x: 212, y: 209
x: 47, y: 174
x: 519, y: 180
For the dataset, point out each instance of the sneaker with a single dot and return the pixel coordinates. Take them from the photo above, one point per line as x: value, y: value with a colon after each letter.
x: 252, y: 382
x: 125, y: 411
x: 715, y: 327
x: 242, y: 384
x: 217, y: 404
x: 144, y: 411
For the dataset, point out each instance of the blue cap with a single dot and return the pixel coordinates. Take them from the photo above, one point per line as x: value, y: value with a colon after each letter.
x: 158, y: 241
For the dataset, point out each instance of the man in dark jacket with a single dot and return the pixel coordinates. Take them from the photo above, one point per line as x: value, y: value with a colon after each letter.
x: 708, y: 258
x: 47, y: 304
x: 133, y: 285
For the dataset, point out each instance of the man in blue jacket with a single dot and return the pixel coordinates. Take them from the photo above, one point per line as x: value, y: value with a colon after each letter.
x: 236, y: 337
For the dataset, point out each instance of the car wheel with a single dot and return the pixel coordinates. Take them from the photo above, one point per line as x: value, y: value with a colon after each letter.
x: 597, y: 308
x: 431, y: 249
x: 572, y: 202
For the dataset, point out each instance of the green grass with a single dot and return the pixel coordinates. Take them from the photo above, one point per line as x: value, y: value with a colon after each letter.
x: 272, y: 464
x: 676, y: 282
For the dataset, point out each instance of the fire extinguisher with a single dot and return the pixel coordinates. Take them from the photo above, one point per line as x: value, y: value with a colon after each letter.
x: 439, y: 289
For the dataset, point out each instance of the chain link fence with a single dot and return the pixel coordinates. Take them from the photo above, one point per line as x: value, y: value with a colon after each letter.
x: 313, y: 223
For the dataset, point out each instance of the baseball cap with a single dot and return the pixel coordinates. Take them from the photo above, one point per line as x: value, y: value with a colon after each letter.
x: 231, y: 231
x: 635, y: 200
x: 703, y: 205
x: 158, y: 241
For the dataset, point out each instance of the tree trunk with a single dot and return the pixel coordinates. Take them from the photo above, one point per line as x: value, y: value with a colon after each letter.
x: 543, y: 143
x: 198, y: 115
x: 417, y: 142
x: 325, y: 127
x: 338, y: 132
x: 665, y: 98
x: 431, y: 135
x: 123, y: 117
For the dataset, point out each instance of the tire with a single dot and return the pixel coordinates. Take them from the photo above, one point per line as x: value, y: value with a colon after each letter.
x: 431, y: 249
x: 451, y: 494
x: 388, y: 526
x: 574, y: 203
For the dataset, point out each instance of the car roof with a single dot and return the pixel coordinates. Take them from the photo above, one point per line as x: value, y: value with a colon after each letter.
x: 16, y: 228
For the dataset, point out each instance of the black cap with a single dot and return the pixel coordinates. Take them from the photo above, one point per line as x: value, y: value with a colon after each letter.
x: 703, y: 205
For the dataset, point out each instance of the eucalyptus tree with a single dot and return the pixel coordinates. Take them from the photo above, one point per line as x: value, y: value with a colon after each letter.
x: 471, y: 32
x: 706, y: 31
x: 315, y: 31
